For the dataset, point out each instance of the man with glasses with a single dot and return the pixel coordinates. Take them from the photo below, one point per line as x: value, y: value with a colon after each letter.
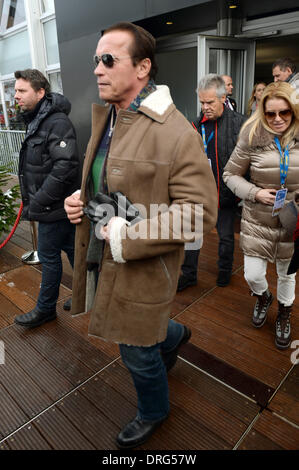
x: 143, y: 147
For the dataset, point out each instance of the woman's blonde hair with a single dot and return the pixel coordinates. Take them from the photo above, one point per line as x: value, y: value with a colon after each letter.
x: 252, y: 97
x: 278, y: 90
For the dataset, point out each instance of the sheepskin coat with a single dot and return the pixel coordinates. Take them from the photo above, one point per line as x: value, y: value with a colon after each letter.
x: 261, y: 234
x: 155, y: 157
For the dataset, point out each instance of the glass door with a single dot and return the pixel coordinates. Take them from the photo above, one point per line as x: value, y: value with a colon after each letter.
x: 177, y: 68
x: 228, y: 56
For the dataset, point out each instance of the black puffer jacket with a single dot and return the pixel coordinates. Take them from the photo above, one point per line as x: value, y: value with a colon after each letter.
x: 228, y: 128
x: 49, y: 161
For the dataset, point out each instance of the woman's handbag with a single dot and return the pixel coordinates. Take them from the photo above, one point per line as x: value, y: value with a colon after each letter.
x: 288, y: 215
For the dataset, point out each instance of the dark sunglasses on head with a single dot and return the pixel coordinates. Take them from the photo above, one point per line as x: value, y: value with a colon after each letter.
x: 285, y: 113
x: 107, y: 59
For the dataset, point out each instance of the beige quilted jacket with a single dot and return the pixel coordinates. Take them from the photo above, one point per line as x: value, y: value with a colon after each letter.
x: 261, y: 234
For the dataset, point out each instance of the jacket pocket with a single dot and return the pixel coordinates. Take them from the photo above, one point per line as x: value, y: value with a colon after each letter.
x: 144, y: 281
x: 35, y: 150
x: 105, y: 285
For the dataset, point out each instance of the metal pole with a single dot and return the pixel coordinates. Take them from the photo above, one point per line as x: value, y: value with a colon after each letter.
x: 6, y: 120
x: 31, y: 257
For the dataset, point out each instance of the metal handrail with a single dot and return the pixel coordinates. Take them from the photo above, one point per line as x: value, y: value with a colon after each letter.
x: 10, y: 145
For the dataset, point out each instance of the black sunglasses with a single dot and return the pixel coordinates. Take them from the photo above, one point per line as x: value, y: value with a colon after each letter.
x: 107, y: 59
x: 284, y: 114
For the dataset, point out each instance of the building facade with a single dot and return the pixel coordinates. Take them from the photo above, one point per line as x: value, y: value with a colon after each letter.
x: 28, y: 39
x: 241, y: 38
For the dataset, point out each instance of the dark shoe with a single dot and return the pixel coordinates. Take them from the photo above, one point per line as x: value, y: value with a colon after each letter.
x: 67, y: 305
x: 223, y: 278
x: 261, y: 308
x: 34, y: 318
x: 283, y: 327
x: 136, y: 432
x: 185, y: 282
x: 170, y: 358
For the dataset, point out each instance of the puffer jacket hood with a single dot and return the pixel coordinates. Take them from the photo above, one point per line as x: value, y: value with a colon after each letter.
x: 52, y: 103
x: 58, y: 103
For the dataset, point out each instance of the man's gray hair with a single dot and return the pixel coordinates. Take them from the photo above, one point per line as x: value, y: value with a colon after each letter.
x: 212, y: 81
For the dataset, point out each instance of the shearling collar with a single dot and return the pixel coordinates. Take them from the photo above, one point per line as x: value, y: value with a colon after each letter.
x: 158, y: 104
x: 261, y: 138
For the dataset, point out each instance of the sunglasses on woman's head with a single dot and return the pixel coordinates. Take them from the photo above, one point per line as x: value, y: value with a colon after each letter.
x: 107, y: 59
x: 284, y: 114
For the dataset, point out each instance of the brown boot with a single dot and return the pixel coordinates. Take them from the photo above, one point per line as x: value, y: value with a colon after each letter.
x: 283, y: 327
x: 261, y: 308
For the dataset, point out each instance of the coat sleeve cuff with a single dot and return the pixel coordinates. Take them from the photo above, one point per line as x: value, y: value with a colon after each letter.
x: 252, y: 193
x: 116, y: 238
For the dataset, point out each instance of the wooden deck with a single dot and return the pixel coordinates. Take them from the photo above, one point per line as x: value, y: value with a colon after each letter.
x: 230, y: 389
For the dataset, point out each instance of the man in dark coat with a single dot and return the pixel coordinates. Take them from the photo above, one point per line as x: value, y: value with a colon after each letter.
x: 48, y: 172
x: 230, y: 103
x: 219, y: 128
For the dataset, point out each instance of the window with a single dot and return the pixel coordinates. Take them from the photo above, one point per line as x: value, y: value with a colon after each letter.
x: 12, y: 13
x: 55, y: 82
x: 12, y: 109
x: 51, y: 41
x: 15, y: 53
x: 47, y: 6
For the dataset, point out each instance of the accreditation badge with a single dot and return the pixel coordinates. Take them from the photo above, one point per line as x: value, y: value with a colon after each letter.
x: 279, y: 201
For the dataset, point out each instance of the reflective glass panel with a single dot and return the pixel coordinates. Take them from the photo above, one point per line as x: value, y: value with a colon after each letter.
x: 177, y: 69
x: 13, y: 111
x: 51, y: 42
x: 55, y: 82
x: 48, y: 6
x: 15, y: 53
x: 12, y: 13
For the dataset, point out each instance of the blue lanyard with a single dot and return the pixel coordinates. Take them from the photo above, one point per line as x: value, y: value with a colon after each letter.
x: 284, y: 161
x: 203, y: 134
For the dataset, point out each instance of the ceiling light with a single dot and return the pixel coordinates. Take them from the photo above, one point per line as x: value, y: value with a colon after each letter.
x: 169, y: 22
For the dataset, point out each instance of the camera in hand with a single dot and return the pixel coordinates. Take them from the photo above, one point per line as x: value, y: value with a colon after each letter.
x: 103, y: 207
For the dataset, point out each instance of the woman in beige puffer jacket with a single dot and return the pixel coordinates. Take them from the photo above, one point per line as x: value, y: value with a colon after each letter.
x: 275, y: 124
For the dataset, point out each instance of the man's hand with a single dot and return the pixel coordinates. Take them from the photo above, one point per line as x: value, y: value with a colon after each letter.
x: 105, y: 231
x: 73, y: 207
x: 266, y: 196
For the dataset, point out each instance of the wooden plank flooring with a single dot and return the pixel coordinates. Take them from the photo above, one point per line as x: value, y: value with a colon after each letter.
x: 61, y: 389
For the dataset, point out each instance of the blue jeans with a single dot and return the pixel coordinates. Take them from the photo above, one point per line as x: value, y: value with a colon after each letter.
x: 149, y: 373
x: 53, y: 237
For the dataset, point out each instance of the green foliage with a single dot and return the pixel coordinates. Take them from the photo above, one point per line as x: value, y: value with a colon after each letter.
x: 8, y: 200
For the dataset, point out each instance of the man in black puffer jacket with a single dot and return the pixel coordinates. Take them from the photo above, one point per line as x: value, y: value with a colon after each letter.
x: 48, y: 173
x: 219, y: 128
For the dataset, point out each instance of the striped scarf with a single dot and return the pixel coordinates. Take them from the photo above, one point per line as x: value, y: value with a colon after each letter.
x: 147, y: 90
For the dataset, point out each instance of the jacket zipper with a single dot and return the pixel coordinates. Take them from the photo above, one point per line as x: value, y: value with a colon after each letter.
x: 217, y: 163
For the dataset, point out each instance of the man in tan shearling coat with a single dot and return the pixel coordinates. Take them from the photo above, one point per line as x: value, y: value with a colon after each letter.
x: 142, y: 146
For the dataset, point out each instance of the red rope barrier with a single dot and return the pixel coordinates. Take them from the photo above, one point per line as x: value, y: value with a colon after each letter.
x: 14, y: 227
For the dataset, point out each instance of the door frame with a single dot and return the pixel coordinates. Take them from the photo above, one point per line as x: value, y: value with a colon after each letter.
x: 206, y: 40
x: 206, y: 43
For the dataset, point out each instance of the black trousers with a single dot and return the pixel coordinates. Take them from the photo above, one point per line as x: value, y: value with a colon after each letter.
x: 225, y: 227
